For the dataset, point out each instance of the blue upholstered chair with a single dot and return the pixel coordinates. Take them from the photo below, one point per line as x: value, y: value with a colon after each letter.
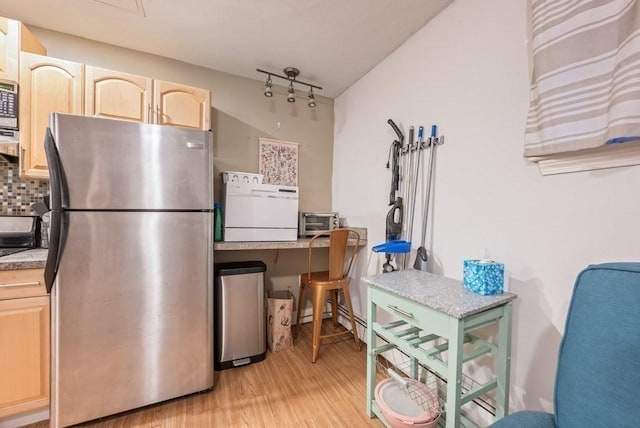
x: 598, y: 376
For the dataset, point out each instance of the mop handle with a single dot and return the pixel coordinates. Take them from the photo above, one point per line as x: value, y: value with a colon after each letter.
x: 425, y: 217
x: 415, y: 183
x: 407, y: 179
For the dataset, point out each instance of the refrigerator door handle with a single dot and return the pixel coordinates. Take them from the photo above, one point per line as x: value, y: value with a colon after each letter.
x: 55, y: 171
x: 56, y: 224
x: 56, y: 233
x: 192, y: 145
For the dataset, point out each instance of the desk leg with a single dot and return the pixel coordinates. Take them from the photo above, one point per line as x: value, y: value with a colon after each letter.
x: 503, y: 362
x: 371, y: 357
x: 454, y: 372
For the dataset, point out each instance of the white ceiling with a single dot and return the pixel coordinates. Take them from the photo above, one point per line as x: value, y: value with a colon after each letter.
x: 333, y: 42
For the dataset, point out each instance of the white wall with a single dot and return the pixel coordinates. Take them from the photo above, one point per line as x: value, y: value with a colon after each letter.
x: 467, y: 72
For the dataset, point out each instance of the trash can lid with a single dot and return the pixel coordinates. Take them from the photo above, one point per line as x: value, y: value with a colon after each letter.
x: 239, y: 268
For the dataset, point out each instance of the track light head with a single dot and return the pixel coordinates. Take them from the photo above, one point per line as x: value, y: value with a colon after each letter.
x: 267, y: 87
x: 291, y: 97
x: 312, y: 99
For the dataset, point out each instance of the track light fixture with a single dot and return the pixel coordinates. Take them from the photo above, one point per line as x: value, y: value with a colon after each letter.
x: 291, y: 74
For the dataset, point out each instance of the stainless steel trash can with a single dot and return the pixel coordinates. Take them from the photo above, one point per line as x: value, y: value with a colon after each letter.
x: 240, y: 314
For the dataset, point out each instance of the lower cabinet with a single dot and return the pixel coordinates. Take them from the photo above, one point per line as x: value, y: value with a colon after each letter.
x: 24, y: 342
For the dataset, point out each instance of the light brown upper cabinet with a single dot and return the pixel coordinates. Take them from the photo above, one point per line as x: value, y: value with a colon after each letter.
x: 180, y: 105
x: 117, y: 95
x: 53, y: 85
x: 46, y: 85
x: 15, y: 37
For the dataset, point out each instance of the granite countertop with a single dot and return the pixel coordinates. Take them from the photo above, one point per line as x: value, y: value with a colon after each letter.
x: 30, y: 259
x: 443, y: 294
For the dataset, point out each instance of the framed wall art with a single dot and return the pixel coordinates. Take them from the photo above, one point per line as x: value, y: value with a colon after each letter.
x: 278, y: 162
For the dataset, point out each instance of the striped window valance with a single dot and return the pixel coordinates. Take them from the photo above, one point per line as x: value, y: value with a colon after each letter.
x: 585, y: 90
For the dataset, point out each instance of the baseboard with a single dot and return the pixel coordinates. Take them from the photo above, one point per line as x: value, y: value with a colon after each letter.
x: 343, y: 316
x: 24, y: 419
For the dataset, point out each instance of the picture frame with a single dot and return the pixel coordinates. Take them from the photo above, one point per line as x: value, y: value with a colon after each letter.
x: 278, y: 162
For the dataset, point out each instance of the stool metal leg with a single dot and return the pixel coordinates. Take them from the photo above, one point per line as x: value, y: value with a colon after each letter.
x: 300, y: 306
x: 318, y: 297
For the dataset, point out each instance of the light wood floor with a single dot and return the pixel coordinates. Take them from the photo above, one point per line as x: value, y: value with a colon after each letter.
x: 284, y: 390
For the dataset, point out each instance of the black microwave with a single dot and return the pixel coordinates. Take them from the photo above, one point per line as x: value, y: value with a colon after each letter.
x: 310, y: 223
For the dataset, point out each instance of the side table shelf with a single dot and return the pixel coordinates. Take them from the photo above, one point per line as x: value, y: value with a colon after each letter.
x: 440, y: 340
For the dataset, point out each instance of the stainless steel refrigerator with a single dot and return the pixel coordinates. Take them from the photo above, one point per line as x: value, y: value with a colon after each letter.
x: 130, y: 265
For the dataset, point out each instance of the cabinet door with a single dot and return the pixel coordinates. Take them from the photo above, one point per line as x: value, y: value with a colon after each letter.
x: 46, y: 85
x: 24, y: 355
x: 117, y: 95
x: 180, y: 105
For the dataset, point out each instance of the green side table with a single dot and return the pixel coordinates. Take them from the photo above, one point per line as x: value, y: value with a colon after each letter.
x: 427, y: 315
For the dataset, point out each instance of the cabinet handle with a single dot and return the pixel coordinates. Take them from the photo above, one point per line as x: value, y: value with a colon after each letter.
x: 400, y: 311
x: 22, y: 159
x: 149, y: 113
x: 20, y: 284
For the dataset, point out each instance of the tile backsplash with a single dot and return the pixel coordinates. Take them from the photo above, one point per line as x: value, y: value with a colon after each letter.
x: 17, y: 194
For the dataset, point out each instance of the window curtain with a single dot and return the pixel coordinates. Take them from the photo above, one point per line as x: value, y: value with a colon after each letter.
x: 585, y: 88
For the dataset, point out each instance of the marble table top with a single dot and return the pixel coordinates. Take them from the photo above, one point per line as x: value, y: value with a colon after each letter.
x: 443, y: 294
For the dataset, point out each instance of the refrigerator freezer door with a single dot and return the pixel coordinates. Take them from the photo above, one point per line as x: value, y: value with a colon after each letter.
x: 131, y: 312
x: 109, y: 164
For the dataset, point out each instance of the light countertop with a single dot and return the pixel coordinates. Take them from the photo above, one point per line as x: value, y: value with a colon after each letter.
x: 283, y: 245
x: 443, y: 294
x: 30, y: 259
